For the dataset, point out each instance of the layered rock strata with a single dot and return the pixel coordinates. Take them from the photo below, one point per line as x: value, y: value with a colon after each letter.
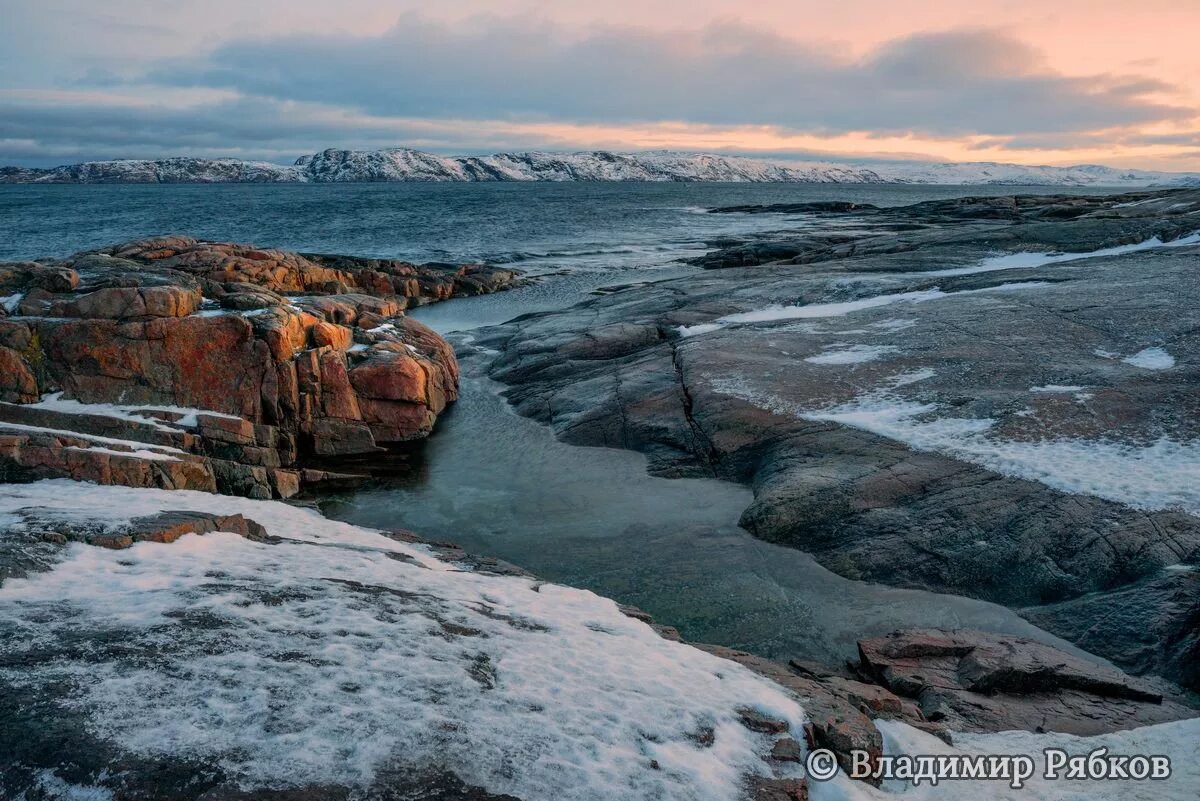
x: 176, y: 363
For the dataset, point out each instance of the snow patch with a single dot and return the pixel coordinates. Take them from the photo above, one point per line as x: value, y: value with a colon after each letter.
x: 892, y: 326
x: 129, y: 443
x: 1116, y: 471
x: 59, y: 790
x: 1056, y: 388
x: 855, y: 354
x: 1151, y: 359
x: 140, y: 453
x: 841, y: 309
x: 11, y: 302
x: 326, y: 664
x: 132, y: 412
x: 1014, y: 261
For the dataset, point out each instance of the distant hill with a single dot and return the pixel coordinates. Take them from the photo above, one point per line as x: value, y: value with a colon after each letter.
x: 404, y: 164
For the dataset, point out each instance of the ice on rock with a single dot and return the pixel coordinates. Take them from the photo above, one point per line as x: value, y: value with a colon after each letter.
x: 1014, y: 261
x: 1117, y: 471
x: 1151, y: 359
x: 337, y: 652
x: 853, y: 354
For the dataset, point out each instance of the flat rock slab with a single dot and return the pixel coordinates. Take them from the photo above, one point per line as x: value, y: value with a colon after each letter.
x: 973, y: 681
x: 985, y: 404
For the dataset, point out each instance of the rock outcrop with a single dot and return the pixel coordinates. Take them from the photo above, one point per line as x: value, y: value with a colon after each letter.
x: 945, y: 681
x: 988, y: 405
x: 972, y: 681
x: 234, y: 366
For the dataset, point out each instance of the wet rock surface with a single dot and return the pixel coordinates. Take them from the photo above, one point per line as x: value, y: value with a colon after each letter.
x: 235, y: 366
x: 859, y: 229
x: 926, y: 408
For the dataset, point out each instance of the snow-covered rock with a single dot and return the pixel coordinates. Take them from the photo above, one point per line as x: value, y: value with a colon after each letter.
x: 321, y: 655
x: 161, y: 171
x: 405, y: 164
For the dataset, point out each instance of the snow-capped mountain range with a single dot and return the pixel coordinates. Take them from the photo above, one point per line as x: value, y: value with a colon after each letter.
x: 404, y: 164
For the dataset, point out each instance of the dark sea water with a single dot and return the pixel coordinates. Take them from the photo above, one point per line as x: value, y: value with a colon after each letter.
x: 502, y: 485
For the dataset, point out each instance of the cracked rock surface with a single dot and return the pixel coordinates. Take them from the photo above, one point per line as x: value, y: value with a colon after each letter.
x: 998, y: 401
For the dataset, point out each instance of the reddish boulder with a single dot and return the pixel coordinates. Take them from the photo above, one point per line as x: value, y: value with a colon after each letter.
x: 176, y: 322
x: 17, y: 384
x: 391, y: 376
x: 332, y: 336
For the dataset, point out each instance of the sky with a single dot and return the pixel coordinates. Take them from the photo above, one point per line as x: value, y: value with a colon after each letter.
x: 1113, y: 82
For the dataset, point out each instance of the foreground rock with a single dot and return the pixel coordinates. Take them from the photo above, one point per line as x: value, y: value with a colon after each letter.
x: 960, y: 680
x: 181, y: 364
x: 971, y: 681
x: 927, y: 408
x: 178, y: 645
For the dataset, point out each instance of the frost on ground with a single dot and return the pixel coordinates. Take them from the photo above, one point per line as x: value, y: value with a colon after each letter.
x: 1116, y: 471
x: 338, y: 653
x: 810, y: 311
x: 1015, y: 261
x: 1151, y: 359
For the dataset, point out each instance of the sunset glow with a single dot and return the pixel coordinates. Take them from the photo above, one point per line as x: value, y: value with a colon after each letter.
x: 1001, y: 80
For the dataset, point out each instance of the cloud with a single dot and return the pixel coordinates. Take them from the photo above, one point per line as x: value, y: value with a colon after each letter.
x: 952, y: 83
x: 48, y: 128
x: 1099, y: 139
x: 41, y: 129
x: 517, y: 83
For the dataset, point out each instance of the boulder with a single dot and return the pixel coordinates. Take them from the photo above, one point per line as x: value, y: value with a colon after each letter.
x: 17, y: 384
x: 974, y: 681
x: 121, y: 303
x: 176, y: 322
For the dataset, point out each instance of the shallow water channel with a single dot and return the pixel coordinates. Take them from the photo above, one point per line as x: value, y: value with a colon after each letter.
x: 502, y: 485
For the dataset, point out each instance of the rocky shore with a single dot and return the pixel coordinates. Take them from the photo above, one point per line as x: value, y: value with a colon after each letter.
x: 993, y: 397
x: 920, y: 400
x: 227, y: 368
x: 186, y: 645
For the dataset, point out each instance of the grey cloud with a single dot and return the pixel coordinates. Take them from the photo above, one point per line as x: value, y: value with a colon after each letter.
x: 942, y: 84
x: 1075, y: 140
x: 41, y: 134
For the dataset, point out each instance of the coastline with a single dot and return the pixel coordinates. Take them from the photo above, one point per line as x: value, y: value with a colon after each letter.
x: 613, y: 346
